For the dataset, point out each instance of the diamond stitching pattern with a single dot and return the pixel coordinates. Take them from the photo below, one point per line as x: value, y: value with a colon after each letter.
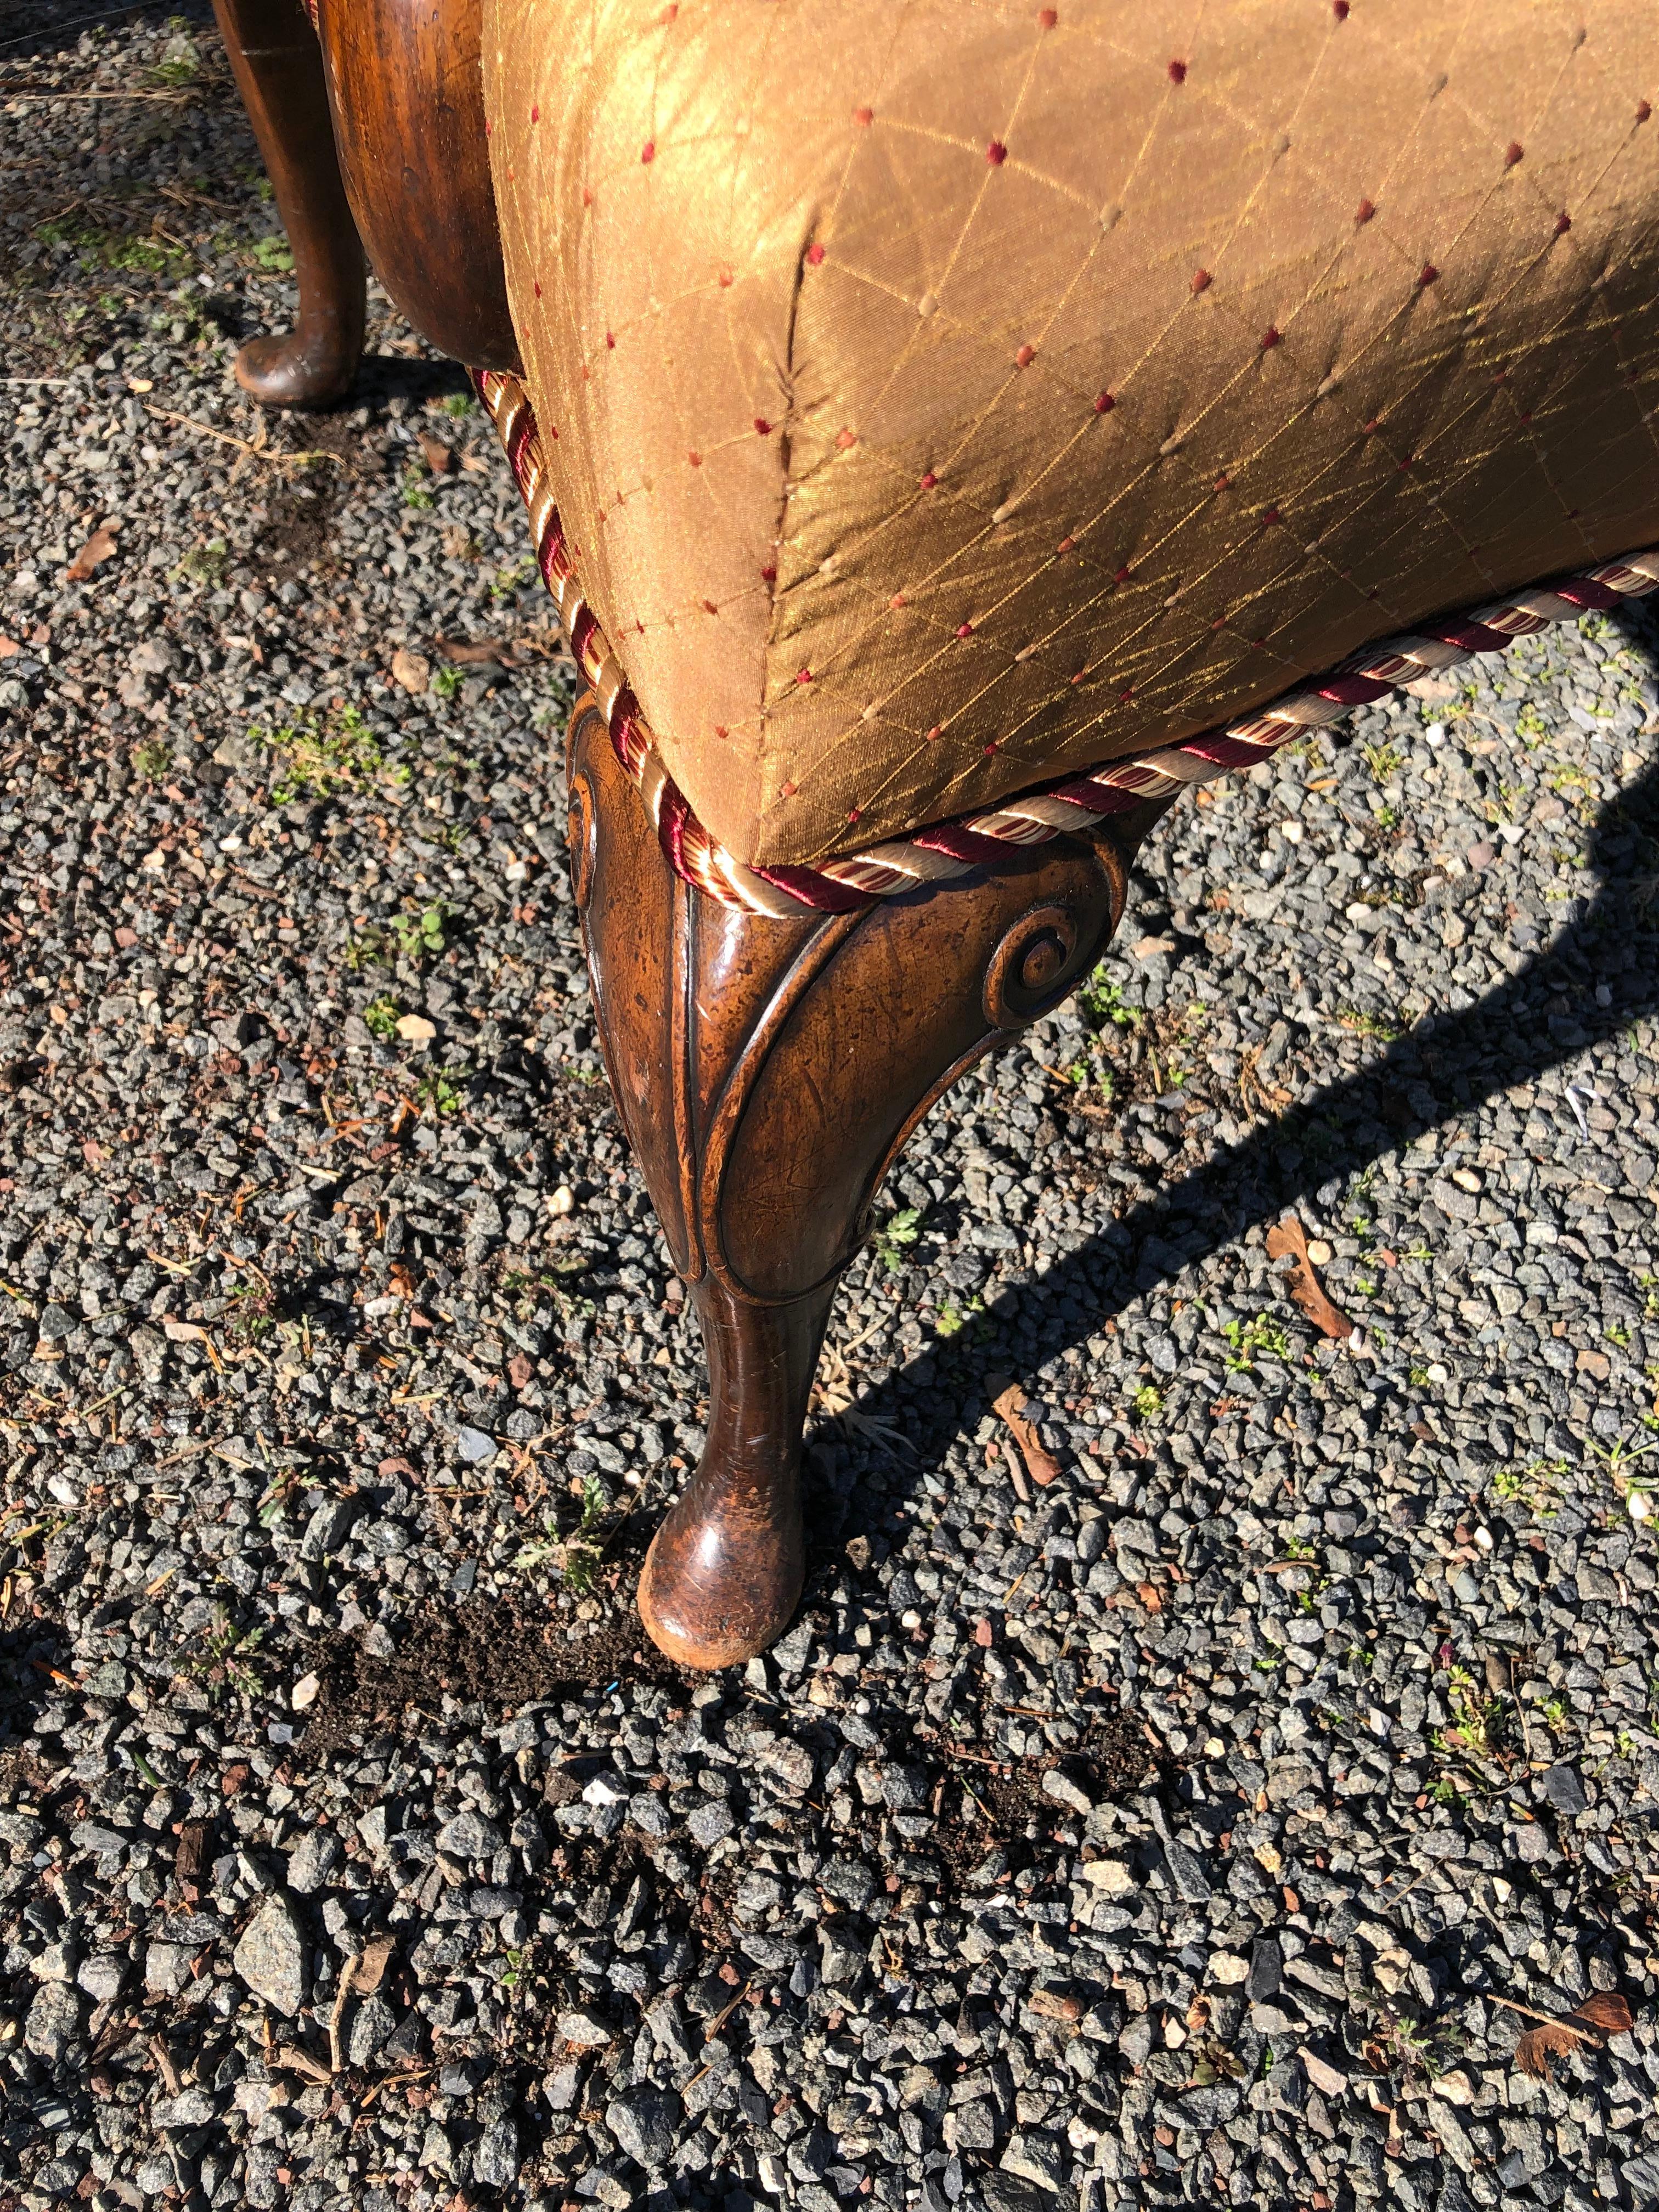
x: 951, y: 392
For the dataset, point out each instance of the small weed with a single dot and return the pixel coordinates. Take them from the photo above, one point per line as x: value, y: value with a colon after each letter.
x: 273, y: 255
x: 380, y: 1017
x: 323, y: 754
x: 455, y: 404
x: 252, y: 1313
x: 1147, y: 1404
x: 1365, y: 1024
x: 1252, y: 1340
x: 1556, y: 1712
x: 1619, y: 1334
x: 446, y: 682
x: 891, y: 1242
x: 420, y: 936
x: 1384, y: 762
x: 442, y: 1090
x: 206, y: 564
x: 512, y: 578
x: 582, y: 1556
x: 949, y: 1321
x: 1479, y: 1721
x: 1103, y: 998
x: 415, y: 492
x: 151, y: 757
x: 1536, y: 1486
x: 1530, y: 727
x: 1417, y: 1377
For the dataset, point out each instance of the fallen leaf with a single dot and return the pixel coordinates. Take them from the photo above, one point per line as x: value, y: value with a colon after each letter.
x: 192, y: 1850
x: 100, y: 547
x: 416, y: 1028
x: 182, y: 1332
x: 440, y: 458
x: 1600, y: 2015
x: 1055, y: 2004
x: 1289, y: 1236
x: 1008, y: 1402
x: 413, y: 670
x: 465, y: 651
x: 373, y: 1960
x: 1149, y: 1597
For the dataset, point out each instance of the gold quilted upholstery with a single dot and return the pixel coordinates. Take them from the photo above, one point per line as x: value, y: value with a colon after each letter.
x: 948, y: 392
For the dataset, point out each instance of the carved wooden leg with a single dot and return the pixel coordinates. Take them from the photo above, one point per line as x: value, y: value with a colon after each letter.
x: 767, y: 1073
x: 279, y: 73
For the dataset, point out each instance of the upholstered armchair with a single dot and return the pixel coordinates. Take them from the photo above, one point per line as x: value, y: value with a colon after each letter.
x: 947, y: 430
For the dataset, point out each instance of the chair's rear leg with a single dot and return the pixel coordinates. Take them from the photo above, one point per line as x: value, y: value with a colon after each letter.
x: 278, y: 67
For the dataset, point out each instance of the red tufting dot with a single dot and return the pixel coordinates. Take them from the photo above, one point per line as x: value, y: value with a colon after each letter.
x: 1406, y: 463
x: 1046, y: 18
x: 853, y: 812
x: 1372, y: 427
x: 670, y: 12
x: 538, y: 287
x: 964, y: 629
x: 1065, y: 544
x: 789, y: 788
x: 611, y: 341
x: 695, y: 460
x: 587, y: 197
x: 803, y: 676
x: 1340, y: 9
x: 1502, y: 377
x: 1025, y: 356
x: 1527, y: 417
x: 845, y: 438
x: 1644, y: 109
x: 769, y: 575
x: 1078, y: 677
x: 814, y: 255
x: 1221, y: 622
x: 709, y: 608
x: 723, y: 274
x: 535, y: 111
x: 1427, y: 275
x: 1364, y: 211
x: 1201, y: 280
x: 490, y: 128
x: 720, y: 730
x: 1269, y: 337
x: 1124, y: 696
x: 763, y: 428
x: 649, y: 151
x: 1104, y: 403
x: 1123, y: 575
x: 864, y: 117
x: 1222, y: 482
x: 1177, y: 72
x: 991, y: 748
x: 996, y: 153
x: 937, y: 731
x: 1563, y: 223
x: 1512, y: 153
x: 1271, y: 515
x: 929, y: 481
x: 898, y: 600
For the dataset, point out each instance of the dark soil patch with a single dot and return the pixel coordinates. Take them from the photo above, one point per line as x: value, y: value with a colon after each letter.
x: 295, y: 534
x: 1114, y: 1759
x: 486, y: 1651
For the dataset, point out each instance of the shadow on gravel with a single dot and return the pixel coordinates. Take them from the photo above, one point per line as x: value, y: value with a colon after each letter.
x: 1450, y: 1063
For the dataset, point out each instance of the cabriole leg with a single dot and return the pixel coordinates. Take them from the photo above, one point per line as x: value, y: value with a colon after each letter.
x: 767, y: 1073
x: 278, y: 67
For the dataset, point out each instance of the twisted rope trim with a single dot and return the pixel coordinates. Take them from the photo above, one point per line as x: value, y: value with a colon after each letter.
x: 950, y: 849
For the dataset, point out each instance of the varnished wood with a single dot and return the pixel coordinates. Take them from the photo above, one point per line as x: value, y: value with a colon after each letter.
x: 767, y: 1074
x: 406, y: 86
x: 279, y: 73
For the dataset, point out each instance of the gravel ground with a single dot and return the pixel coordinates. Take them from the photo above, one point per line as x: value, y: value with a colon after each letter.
x: 1197, y: 1826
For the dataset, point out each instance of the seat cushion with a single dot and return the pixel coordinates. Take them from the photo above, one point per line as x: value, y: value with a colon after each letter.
x: 941, y: 396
